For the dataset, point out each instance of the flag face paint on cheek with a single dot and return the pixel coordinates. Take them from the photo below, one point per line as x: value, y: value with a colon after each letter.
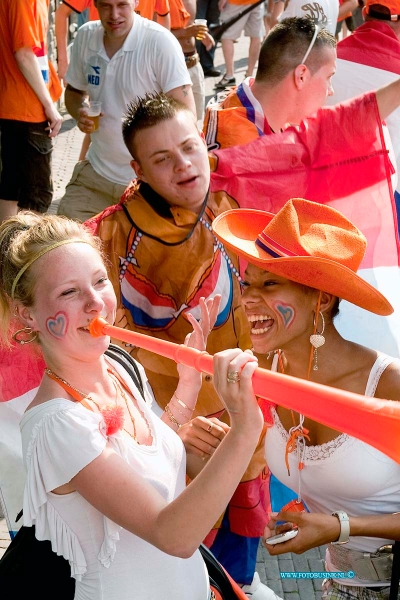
x: 57, y: 325
x: 286, y: 312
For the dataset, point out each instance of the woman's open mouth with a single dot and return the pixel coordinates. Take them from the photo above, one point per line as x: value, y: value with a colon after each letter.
x: 260, y: 323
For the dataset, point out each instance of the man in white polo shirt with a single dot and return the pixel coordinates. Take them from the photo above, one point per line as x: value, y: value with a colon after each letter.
x: 115, y: 61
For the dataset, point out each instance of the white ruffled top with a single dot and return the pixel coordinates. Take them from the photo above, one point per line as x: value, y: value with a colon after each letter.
x: 59, y: 439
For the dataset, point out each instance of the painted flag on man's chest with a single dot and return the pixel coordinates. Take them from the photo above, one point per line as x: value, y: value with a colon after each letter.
x: 337, y: 157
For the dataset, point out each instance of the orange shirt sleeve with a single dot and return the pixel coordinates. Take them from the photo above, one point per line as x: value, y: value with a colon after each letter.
x: 245, y: 3
x: 94, y: 13
x: 25, y: 30
x: 78, y: 5
x: 343, y: 17
x: 179, y: 14
x: 162, y: 7
x: 145, y: 8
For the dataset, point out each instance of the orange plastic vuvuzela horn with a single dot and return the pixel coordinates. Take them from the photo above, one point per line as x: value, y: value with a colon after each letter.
x: 374, y: 421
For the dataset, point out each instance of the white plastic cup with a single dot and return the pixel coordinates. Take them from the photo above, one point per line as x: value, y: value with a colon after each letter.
x: 93, y: 112
x: 203, y: 22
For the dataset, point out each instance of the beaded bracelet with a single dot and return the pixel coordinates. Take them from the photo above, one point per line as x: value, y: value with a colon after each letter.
x: 171, y: 417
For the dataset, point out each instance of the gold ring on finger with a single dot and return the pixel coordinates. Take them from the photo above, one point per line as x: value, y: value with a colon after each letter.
x: 233, y: 377
x: 209, y: 428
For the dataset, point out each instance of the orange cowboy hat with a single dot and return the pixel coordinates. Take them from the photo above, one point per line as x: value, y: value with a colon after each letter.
x: 306, y: 242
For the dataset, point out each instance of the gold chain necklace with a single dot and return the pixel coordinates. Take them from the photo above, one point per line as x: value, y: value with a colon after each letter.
x: 53, y: 375
x: 79, y: 395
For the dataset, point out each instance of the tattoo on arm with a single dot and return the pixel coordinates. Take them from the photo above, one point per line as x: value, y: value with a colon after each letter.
x: 185, y: 93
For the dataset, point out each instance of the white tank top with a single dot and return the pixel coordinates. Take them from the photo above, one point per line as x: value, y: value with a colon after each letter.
x: 343, y: 474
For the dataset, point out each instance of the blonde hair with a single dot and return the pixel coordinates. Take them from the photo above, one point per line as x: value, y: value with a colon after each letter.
x: 23, y: 239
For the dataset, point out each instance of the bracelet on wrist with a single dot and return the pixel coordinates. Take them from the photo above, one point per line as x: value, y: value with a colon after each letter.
x: 181, y: 402
x: 176, y: 402
x: 344, y: 527
x: 179, y: 410
x: 172, y: 418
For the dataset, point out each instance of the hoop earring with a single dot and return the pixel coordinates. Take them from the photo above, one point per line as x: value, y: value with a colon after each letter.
x: 317, y: 340
x: 26, y: 331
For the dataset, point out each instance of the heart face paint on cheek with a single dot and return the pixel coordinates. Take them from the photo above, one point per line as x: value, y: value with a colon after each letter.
x: 57, y: 325
x: 286, y: 312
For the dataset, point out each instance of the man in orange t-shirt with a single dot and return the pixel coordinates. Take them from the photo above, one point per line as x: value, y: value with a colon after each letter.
x: 28, y: 118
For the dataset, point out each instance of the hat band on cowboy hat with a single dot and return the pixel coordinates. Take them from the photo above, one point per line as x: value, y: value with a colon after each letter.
x: 280, y: 250
x: 305, y: 242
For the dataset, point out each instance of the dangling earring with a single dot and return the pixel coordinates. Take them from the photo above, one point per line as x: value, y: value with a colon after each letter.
x: 15, y: 313
x: 317, y: 340
x: 26, y: 331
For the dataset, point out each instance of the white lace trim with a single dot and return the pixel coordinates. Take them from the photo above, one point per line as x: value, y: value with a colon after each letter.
x: 313, y: 453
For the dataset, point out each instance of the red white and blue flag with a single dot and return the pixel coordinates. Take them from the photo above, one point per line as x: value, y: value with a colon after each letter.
x: 369, y: 59
x: 43, y: 60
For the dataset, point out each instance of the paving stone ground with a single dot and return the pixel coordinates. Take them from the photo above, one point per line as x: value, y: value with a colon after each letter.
x: 66, y: 152
x: 4, y: 537
x: 67, y: 147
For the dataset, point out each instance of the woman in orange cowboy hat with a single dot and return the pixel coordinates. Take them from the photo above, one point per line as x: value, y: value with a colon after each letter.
x: 301, y: 263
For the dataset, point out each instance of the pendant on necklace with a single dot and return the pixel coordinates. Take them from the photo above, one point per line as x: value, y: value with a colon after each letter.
x: 113, y: 416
